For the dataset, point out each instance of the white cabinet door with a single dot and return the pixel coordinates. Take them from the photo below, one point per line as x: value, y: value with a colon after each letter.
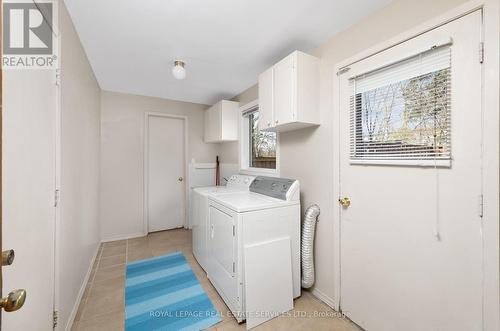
x: 229, y: 120
x: 284, y: 90
x: 212, y: 124
x: 266, y: 99
x: 221, y: 122
x: 288, y: 94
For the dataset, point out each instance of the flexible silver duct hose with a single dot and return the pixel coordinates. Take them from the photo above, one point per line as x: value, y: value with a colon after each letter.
x: 307, y: 245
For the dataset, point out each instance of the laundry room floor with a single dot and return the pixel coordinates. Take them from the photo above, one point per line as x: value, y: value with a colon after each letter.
x: 103, y: 303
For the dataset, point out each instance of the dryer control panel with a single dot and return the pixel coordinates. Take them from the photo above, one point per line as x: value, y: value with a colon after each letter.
x: 280, y: 188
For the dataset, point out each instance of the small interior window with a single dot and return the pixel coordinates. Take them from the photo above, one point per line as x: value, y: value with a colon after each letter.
x: 262, y: 149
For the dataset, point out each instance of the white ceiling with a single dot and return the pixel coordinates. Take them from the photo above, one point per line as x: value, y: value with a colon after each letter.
x: 225, y: 43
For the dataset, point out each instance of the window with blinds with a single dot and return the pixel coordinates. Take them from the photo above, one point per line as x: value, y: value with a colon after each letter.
x: 400, y: 113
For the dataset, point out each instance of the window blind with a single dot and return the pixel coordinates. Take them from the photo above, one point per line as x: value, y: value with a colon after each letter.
x: 403, y: 111
x: 250, y: 111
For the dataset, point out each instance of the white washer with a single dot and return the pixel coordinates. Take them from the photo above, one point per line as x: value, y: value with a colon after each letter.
x: 254, y: 248
x: 199, y: 212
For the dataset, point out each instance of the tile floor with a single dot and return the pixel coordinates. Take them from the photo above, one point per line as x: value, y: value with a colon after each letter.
x: 103, y: 303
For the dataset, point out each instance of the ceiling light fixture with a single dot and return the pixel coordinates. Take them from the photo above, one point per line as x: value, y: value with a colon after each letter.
x: 178, y: 71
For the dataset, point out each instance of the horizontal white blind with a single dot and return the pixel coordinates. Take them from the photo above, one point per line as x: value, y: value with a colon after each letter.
x: 250, y: 111
x: 402, y: 111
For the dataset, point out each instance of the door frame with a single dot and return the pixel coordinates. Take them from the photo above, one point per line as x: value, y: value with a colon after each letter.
x: 491, y: 130
x: 147, y: 115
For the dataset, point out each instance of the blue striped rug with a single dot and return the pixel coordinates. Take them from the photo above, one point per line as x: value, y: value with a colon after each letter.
x: 162, y: 293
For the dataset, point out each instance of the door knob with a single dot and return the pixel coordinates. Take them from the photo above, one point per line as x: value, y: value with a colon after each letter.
x: 8, y: 257
x: 180, y: 179
x: 345, y: 202
x: 13, y: 301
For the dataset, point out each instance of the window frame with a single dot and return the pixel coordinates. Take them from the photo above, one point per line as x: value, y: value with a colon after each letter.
x: 418, y: 162
x: 244, y: 146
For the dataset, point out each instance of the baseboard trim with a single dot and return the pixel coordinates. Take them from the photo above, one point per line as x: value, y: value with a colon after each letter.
x: 323, y: 297
x: 124, y: 236
x: 72, y: 316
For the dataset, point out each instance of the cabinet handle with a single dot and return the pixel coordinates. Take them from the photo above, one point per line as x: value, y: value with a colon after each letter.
x: 268, y: 123
x: 276, y: 122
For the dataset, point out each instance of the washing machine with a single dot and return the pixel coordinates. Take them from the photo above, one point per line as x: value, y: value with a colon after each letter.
x: 253, y: 257
x: 199, y: 212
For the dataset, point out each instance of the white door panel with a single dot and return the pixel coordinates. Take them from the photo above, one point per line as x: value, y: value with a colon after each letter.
x: 200, y: 217
x: 268, y: 288
x: 221, y: 240
x: 196, y: 224
x: 29, y: 154
x: 396, y: 274
x: 165, y: 173
x: 222, y: 252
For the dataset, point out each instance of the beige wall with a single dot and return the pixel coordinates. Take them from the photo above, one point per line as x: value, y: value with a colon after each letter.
x: 80, y: 114
x: 122, y: 146
x: 307, y: 154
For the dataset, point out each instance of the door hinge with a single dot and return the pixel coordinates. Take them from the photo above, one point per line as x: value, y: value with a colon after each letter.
x: 58, y: 77
x: 234, y: 231
x: 56, y: 197
x: 55, y: 317
x: 480, y: 205
x: 481, y: 52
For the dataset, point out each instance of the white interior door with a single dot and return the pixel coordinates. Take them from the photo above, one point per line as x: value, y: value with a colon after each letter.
x: 165, y: 172
x: 411, y: 245
x: 29, y: 154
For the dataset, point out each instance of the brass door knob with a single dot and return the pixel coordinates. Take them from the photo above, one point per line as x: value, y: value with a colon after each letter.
x: 8, y: 257
x: 180, y: 179
x: 345, y: 202
x: 13, y: 301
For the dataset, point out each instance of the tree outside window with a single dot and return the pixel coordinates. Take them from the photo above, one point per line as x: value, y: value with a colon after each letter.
x: 409, y: 118
x: 262, y: 145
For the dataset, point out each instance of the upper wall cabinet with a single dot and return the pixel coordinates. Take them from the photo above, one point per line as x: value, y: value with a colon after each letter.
x: 289, y: 94
x: 221, y: 122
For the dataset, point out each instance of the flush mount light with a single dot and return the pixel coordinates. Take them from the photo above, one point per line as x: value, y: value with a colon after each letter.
x: 178, y: 71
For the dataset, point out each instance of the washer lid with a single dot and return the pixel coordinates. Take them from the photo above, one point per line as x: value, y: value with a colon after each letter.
x: 248, y: 201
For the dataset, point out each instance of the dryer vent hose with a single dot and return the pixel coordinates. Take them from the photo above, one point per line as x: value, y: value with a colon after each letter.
x: 307, y: 245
